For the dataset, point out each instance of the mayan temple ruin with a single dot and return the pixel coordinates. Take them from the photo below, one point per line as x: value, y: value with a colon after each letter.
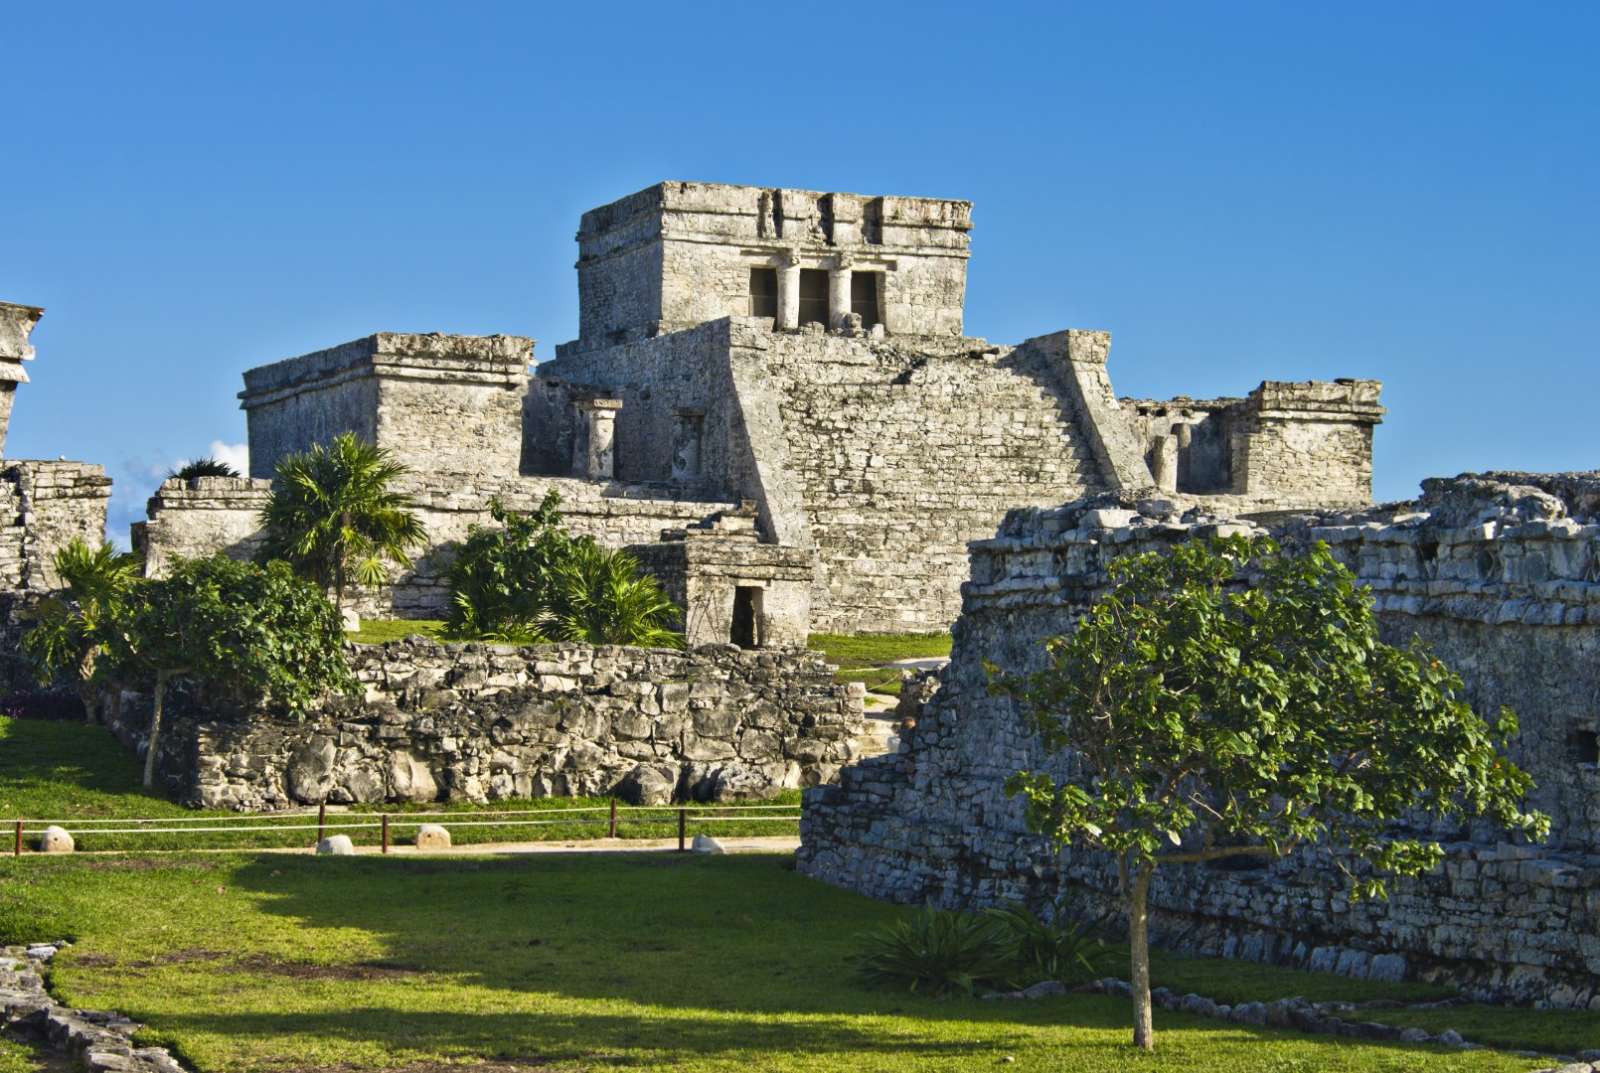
x: 772, y: 399
x: 773, y: 403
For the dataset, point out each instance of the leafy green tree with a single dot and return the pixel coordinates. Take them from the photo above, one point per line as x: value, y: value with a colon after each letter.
x: 600, y: 597
x: 1206, y: 718
x: 203, y: 467
x: 525, y: 579
x: 249, y: 632
x: 502, y: 581
x: 69, y: 631
x: 335, y: 516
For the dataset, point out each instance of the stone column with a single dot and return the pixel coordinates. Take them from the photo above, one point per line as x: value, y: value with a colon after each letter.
x: 16, y: 324
x: 789, y: 293
x: 839, y: 295
x: 1164, y: 462
x: 595, y: 459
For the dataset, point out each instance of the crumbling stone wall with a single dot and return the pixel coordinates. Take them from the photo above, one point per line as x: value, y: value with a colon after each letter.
x: 1287, y: 445
x: 44, y: 506
x: 482, y: 723
x: 16, y: 325
x: 199, y: 516
x: 437, y: 402
x: 1500, y: 578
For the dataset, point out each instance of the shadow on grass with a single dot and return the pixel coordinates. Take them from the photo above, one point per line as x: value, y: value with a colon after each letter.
x: 596, y: 954
x: 54, y: 770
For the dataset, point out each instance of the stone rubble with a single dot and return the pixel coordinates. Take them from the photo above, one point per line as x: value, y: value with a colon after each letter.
x: 98, y: 1042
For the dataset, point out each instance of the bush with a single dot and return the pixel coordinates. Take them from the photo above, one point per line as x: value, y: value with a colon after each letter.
x: 938, y: 953
x: 501, y: 582
x: 526, y: 580
x: 1057, y: 949
x: 203, y: 467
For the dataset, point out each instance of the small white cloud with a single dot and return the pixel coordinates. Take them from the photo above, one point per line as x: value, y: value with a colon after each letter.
x: 236, y: 455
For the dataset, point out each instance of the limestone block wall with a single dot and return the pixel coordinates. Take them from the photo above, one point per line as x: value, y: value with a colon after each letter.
x: 903, y: 455
x: 1293, y: 445
x: 1508, y: 592
x: 679, y: 254
x: 199, y: 516
x: 1307, y: 443
x: 44, y: 505
x: 731, y: 586
x: 438, y: 402
x: 661, y: 382
x: 491, y: 722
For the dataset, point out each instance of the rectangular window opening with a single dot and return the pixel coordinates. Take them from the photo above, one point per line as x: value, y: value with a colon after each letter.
x: 746, y: 632
x: 763, y: 292
x: 864, y: 292
x: 813, y: 296
x: 1586, y: 747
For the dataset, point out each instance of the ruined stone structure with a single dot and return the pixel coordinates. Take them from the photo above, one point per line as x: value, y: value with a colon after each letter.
x: 480, y: 723
x: 1500, y: 574
x: 799, y: 351
x: 43, y: 504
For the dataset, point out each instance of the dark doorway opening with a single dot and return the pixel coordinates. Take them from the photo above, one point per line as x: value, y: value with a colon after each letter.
x: 813, y: 296
x: 864, y: 297
x: 1585, y: 745
x: 763, y: 292
x: 746, y: 631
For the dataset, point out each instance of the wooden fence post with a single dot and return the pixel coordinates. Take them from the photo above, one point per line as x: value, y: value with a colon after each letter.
x: 683, y: 821
x: 386, y: 832
x: 322, y: 820
x: 16, y: 849
x: 611, y: 828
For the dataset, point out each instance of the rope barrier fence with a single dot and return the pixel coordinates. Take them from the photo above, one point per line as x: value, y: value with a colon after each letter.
x: 612, y: 816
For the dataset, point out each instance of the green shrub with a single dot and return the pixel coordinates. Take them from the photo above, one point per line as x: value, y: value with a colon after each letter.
x: 203, y: 467
x: 601, y: 598
x: 526, y: 580
x: 501, y: 581
x: 937, y: 952
x: 1055, y: 949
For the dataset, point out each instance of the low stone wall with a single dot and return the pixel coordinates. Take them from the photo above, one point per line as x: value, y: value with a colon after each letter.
x: 483, y: 722
x: 1498, y: 579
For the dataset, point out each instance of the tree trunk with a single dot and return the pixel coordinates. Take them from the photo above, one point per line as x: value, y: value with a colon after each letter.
x: 155, y: 731
x: 1144, y: 1033
x: 87, y: 691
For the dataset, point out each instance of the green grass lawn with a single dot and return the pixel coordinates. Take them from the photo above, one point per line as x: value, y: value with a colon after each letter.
x: 378, y: 630
x: 861, y: 650
x: 862, y: 657
x: 73, y: 771
x: 15, y: 1058
x: 590, y: 962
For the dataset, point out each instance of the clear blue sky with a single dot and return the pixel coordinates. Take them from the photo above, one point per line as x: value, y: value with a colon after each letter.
x: 1236, y: 191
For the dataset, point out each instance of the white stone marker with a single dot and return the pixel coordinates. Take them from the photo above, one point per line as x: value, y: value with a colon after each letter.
x: 336, y: 846
x: 56, y: 840
x: 431, y: 836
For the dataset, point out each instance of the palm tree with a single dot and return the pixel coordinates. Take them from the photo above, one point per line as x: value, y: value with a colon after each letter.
x: 599, y: 597
x: 68, y: 632
x: 335, y: 517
